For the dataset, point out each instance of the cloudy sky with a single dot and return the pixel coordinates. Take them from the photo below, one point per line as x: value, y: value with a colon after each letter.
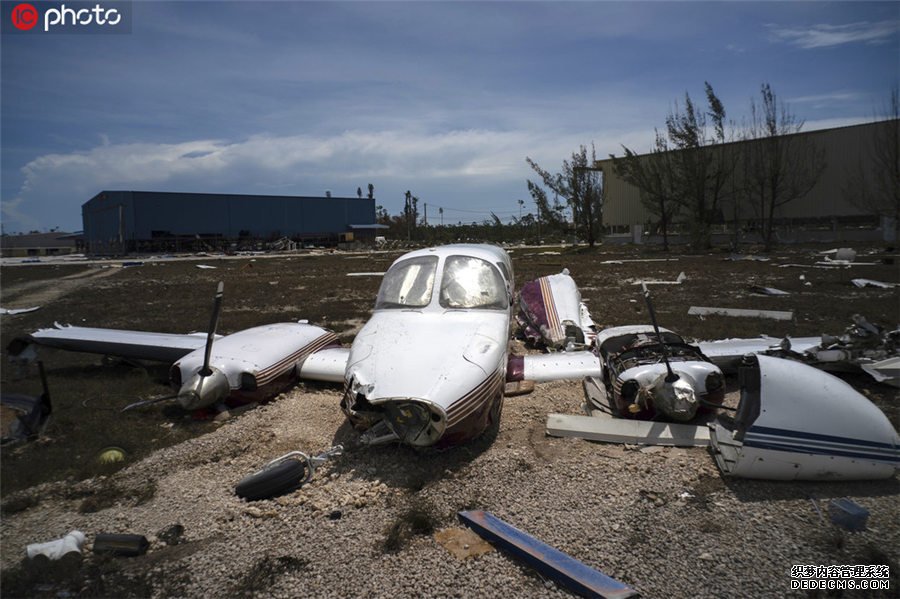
x: 443, y: 99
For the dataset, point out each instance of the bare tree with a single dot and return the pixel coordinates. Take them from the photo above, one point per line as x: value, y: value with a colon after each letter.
x: 652, y: 175
x: 876, y: 189
x: 688, y: 171
x: 780, y: 166
x: 582, y: 188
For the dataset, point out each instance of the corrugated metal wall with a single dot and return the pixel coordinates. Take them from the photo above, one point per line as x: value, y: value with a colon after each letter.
x: 112, y: 217
x: 845, y: 149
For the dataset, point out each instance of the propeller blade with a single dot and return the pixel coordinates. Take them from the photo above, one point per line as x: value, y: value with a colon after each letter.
x: 148, y: 402
x: 213, y: 322
x: 671, y: 377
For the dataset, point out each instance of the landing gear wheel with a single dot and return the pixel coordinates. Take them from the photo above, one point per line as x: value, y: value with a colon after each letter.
x: 282, y: 478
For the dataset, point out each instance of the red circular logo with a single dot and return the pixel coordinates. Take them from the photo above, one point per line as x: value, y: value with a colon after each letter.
x: 25, y: 16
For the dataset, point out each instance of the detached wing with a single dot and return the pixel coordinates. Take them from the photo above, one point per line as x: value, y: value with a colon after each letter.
x: 135, y: 345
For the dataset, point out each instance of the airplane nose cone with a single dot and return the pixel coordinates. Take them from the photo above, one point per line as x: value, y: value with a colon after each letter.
x: 202, y: 391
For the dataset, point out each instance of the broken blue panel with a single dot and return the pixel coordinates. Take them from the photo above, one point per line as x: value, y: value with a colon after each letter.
x: 547, y: 560
x: 848, y: 514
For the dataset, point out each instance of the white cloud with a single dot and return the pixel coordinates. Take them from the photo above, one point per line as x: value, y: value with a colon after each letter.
x: 823, y: 35
x: 297, y: 165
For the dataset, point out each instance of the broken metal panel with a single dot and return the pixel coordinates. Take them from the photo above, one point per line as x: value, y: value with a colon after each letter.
x: 795, y: 422
x: 885, y: 371
x: 633, y: 432
x: 773, y: 314
x: 547, y: 560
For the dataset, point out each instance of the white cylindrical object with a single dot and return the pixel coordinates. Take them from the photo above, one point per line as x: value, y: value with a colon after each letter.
x: 58, y: 548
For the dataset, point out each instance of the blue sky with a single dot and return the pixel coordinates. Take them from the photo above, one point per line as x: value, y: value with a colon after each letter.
x: 443, y: 99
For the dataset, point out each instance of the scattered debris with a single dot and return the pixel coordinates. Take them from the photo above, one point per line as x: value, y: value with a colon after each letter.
x: 283, y: 474
x: 756, y: 289
x: 678, y: 280
x: 123, y: 545
x: 22, y: 416
x: 462, y: 543
x: 56, y: 549
x: 547, y: 560
x: 111, y: 455
x: 840, y: 254
x: 774, y: 314
x: 365, y: 274
x: 871, y: 283
x: 640, y: 260
x: 862, y: 346
x: 749, y: 257
x: 205, y: 267
x: 621, y: 430
x: 14, y: 311
x: 848, y: 514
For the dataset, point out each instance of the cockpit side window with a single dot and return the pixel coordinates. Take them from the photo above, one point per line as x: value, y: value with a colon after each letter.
x: 408, y: 284
x: 470, y: 282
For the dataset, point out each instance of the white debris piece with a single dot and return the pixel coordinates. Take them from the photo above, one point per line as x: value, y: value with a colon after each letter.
x: 365, y: 274
x: 14, y: 311
x: 871, y: 283
x: 206, y: 267
x: 621, y: 430
x: 678, y: 280
x: 774, y: 314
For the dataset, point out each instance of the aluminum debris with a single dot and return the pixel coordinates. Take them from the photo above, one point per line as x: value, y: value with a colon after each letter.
x: 758, y: 290
x: 871, y: 283
x: 773, y: 314
x: 631, y: 432
x: 547, y: 560
x: 14, y: 311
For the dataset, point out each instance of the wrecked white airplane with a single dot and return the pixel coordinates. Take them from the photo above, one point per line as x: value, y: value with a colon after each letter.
x: 399, y: 384
x: 793, y: 421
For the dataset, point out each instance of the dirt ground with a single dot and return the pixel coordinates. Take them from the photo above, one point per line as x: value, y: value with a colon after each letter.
x: 175, y: 296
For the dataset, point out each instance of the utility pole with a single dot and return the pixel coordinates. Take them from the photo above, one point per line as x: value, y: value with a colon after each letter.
x: 426, y: 214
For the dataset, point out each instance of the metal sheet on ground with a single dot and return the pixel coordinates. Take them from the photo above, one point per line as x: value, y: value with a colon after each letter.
x: 549, y: 561
x: 620, y: 430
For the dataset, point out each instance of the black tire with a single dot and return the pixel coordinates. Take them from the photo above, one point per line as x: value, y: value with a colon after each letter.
x: 272, y: 482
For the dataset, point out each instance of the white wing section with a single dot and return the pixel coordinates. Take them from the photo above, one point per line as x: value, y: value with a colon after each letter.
x: 561, y: 365
x: 727, y: 353
x: 135, y: 345
x: 326, y: 365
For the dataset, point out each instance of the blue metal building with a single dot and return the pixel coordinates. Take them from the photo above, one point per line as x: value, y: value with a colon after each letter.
x: 117, y: 222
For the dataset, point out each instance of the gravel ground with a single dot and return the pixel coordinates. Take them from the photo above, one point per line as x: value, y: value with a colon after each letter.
x: 663, y: 521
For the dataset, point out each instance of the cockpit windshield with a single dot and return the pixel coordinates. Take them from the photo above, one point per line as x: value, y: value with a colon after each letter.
x: 408, y: 284
x: 470, y: 282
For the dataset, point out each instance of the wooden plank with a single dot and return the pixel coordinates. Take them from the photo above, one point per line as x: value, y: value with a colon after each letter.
x: 549, y: 561
x: 633, y: 432
x: 774, y: 314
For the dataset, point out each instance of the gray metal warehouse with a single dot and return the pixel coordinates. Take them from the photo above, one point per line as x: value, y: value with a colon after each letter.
x: 118, y: 222
x: 845, y: 148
